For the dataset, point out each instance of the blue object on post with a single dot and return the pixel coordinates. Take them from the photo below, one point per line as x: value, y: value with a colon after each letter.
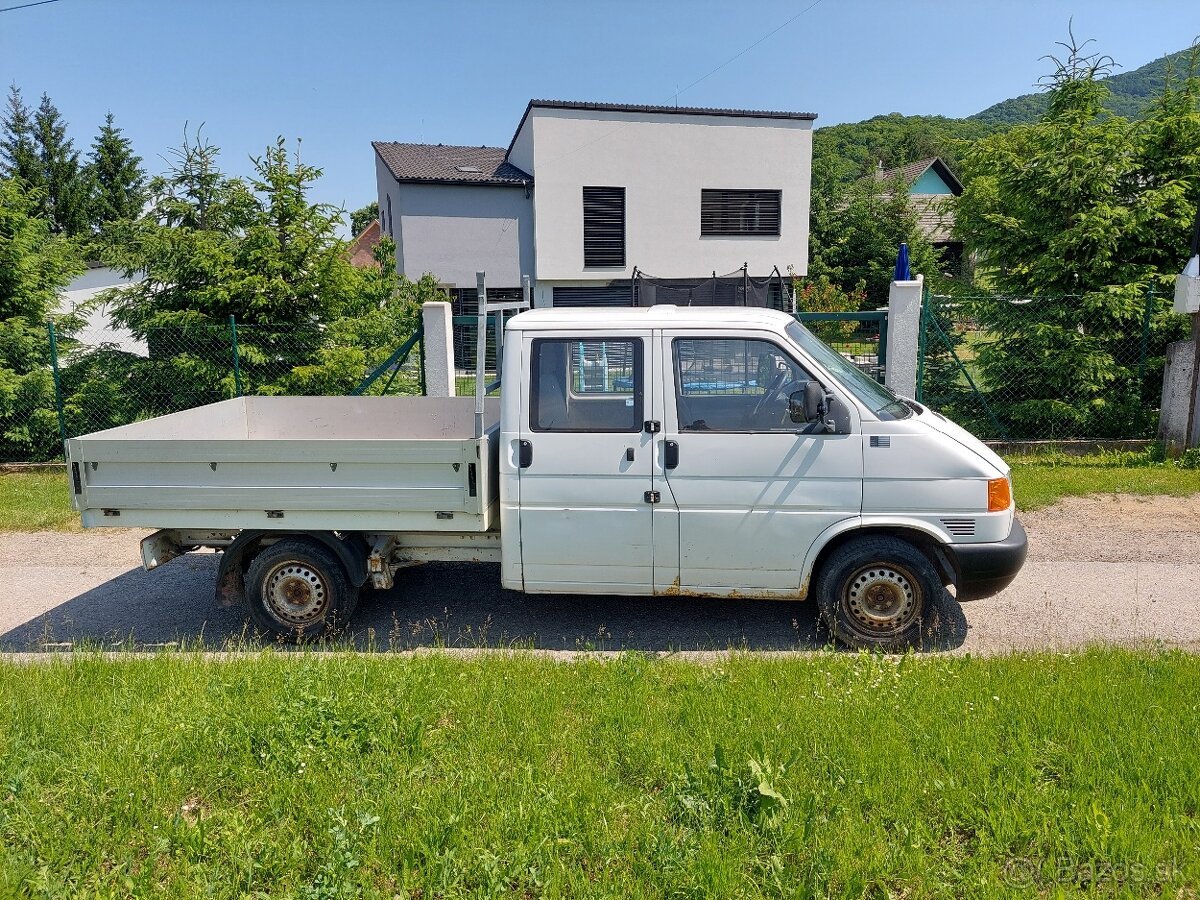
x: 903, y: 273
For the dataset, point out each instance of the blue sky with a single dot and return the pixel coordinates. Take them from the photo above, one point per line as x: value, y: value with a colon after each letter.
x: 341, y: 74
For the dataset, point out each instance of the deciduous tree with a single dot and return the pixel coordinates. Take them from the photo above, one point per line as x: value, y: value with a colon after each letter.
x: 362, y: 217
x: 856, y: 232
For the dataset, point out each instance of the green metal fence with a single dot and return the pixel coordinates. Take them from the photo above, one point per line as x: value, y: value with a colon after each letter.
x: 1004, y: 367
x: 859, y: 336
x: 1048, y: 368
x: 84, y: 380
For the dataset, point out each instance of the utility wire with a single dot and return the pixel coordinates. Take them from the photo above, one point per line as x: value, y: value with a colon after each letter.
x: 675, y: 96
x: 746, y: 50
x: 27, y: 5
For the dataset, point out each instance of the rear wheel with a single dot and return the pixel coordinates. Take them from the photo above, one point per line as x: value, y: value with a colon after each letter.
x: 875, y: 592
x: 298, y: 589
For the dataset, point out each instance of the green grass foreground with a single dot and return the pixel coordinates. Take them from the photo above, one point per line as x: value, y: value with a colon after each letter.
x: 831, y: 775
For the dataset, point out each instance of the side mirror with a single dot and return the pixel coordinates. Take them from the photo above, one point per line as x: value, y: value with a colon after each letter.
x: 807, y: 405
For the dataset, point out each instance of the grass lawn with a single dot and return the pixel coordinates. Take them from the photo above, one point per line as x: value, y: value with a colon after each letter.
x: 1039, y: 480
x: 36, y: 501
x: 831, y: 775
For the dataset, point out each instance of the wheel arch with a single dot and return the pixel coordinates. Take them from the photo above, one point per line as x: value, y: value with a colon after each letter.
x: 920, y: 534
x: 351, y: 550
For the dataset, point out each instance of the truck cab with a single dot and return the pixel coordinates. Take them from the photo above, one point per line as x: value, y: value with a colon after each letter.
x: 730, y: 453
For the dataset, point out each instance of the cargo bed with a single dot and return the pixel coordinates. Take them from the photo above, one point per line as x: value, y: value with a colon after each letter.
x: 297, y: 463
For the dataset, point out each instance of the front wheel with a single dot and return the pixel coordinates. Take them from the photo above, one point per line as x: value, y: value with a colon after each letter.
x: 298, y: 589
x: 875, y: 592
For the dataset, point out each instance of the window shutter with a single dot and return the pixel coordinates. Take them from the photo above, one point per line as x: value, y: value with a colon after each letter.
x: 604, y: 226
x: 616, y: 293
x: 735, y: 213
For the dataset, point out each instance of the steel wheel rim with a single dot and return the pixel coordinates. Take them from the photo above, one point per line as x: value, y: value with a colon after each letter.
x: 883, y: 598
x: 295, y: 593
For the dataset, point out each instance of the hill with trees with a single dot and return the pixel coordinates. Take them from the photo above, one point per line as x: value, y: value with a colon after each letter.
x: 1129, y: 94
x: 843, y: 153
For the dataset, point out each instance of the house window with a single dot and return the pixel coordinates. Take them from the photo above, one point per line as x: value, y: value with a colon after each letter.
x: 389, y: 216
x: 604, y: 226
x: 738, y: 213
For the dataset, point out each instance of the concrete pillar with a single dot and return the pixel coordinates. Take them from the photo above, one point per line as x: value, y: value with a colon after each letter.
x: 904, y: 335
x: 438, y: 321
x: 1178, y: 397
x: 1179, y: 413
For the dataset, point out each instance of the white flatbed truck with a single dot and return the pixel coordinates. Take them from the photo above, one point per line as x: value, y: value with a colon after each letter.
x: 662, y: 451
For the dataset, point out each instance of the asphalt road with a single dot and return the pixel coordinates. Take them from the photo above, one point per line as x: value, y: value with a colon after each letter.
x: 1111, y: 569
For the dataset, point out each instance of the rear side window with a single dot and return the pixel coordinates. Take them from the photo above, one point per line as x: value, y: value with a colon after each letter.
x: 586, y: 385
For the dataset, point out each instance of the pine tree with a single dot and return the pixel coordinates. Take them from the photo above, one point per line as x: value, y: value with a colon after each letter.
x: 18, y: 150
x: 1083, y: 212
x: 65, y: 200
x: 115, y: 176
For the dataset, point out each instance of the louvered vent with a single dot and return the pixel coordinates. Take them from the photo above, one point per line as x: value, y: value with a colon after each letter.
x: 960, y: 527
x: 726, y: 213
x: 604, y: 226
x: 614, y: 294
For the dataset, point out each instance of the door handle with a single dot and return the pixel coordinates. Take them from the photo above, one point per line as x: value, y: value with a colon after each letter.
x: 628, y: 454
x: 524, y: 455
x: 670, y: 454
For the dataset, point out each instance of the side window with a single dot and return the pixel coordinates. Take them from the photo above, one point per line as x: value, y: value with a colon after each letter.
x: 586, y: 384
x: 734, y: 384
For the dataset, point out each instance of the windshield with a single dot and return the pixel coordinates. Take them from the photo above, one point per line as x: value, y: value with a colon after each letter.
x: 869, y: 392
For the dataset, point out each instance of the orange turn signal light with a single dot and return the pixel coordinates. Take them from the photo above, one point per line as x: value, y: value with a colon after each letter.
x: 999, y: 494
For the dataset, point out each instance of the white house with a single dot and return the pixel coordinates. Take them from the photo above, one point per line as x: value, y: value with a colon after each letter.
x: 605, y: 203
x: 98, y: 327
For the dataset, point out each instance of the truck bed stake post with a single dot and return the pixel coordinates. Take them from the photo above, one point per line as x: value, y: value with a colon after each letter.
x: 480, y: 349
x: 58, y: 396
x: 237, y: 365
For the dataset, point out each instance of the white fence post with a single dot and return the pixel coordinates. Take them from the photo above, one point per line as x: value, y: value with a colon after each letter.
x: 904, y: 335
x: 438, y: 321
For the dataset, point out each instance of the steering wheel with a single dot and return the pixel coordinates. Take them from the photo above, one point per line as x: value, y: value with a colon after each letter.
x: 771, y: 393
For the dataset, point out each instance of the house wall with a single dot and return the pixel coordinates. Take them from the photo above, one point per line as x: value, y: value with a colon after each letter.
x: 930, y: 182
x: 663, y: 161
x: 521, y: 154
x: 454, y: 231
x: 387, y: 189
x: 98, y: 326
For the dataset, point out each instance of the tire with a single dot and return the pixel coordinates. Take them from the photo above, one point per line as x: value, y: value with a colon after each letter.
x: 297, y: 589
x: 877, y: 592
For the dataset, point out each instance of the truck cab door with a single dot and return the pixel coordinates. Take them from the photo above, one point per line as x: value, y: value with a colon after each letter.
x: 585, y: 463
x: 752, y: 489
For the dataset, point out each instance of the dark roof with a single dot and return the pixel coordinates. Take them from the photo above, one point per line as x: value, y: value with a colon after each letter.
x: 447, y: 164
x: 644, y: 108
x: 913, y: 171
x: 674, y: 110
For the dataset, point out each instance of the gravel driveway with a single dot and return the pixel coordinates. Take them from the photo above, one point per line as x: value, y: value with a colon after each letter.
x: 1106, y: 568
